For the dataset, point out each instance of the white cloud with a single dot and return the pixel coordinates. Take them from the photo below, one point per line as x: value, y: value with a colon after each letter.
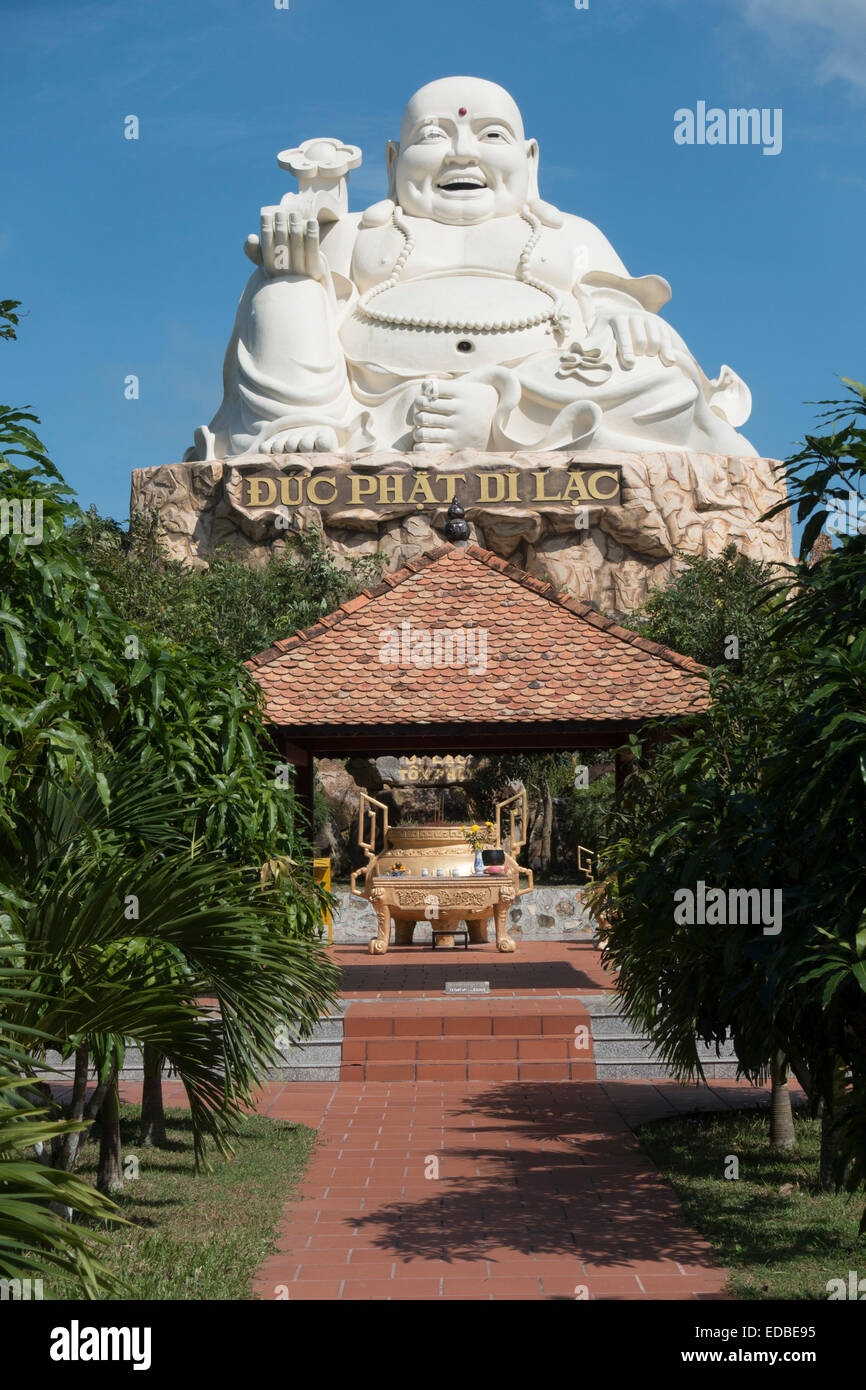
x: 830, y: 35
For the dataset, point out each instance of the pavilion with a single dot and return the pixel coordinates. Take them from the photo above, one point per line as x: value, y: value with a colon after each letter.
x: 462, y: 652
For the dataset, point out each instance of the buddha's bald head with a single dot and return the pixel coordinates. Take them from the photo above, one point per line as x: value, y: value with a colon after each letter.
x: 463, y: 156
x: 461, y: 96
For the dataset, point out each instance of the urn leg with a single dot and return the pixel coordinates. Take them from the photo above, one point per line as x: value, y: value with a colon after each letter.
x: 500, y: 916
x: 444, y: 938
x: 477, y: 930
x: 404, y: 932
x: 379, y: 944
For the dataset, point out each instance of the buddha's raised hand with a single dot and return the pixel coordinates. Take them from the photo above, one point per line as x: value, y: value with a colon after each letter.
x: 288, y: 244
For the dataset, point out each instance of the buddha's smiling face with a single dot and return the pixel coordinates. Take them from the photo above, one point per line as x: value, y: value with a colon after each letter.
x: 463, y: 157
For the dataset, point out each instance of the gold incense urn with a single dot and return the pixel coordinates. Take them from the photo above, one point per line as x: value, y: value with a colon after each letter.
x: 426, y: 873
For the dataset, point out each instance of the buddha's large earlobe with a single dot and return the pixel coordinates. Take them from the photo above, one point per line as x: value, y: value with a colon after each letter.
x: 549, y: 215
x: 532, y: 161
x: 392, y: 150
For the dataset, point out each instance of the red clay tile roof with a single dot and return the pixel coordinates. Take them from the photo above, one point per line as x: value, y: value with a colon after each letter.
x: 548, y: 657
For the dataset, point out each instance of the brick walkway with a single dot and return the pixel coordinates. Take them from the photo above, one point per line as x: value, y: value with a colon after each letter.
x: 542, y: 1192
x: 468, y: 1153
x: 409, y: 972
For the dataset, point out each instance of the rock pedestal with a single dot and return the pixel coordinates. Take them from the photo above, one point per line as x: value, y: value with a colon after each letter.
x: 607, y: 527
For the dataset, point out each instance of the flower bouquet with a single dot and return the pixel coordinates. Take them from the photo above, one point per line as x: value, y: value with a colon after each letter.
x: 478, y: 836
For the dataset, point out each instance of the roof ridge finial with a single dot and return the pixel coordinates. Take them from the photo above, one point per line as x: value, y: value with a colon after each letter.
x: 456, y: 525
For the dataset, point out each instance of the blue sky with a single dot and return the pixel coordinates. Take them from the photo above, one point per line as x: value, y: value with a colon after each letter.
x: 128, y: 257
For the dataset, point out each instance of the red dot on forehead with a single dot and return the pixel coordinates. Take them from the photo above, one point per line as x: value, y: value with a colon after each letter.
x: 462, y: 111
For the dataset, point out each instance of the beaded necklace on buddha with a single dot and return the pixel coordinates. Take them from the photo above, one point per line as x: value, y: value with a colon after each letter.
x: 557, y: 316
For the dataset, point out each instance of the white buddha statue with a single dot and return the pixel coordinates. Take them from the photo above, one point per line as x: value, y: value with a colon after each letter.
x: 461, y: 312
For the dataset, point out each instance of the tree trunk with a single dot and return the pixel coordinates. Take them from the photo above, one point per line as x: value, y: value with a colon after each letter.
x: 109, y: 1178
x: 781, y: 1115
x: 152, y: 1112
x: 546, y: 826
x: 94, y: 1104
x: 69, y: 1146
x: 832, y: 1110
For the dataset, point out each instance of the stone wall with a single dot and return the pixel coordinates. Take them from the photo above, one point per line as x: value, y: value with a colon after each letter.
x: 554, y: 913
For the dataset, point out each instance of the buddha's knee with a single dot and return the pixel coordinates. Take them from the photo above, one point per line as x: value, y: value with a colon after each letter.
x: 289, y: 319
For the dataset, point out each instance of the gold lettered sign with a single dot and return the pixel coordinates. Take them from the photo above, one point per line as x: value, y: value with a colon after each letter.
x: 406, y: 487
x: 430, y: 771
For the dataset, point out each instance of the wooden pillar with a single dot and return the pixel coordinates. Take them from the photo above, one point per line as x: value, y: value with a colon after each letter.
x: 305, y: 779
x: 622, y: 767
x: 652, y: 741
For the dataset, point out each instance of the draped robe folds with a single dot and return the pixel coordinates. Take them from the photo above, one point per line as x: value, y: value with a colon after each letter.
x: 304, y: 355
x: 284, y: 369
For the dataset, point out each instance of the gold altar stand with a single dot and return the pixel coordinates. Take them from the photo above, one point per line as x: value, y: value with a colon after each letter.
x: 426, y: 873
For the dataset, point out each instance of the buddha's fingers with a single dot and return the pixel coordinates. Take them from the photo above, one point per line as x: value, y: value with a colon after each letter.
x: 653, y: 337
x: 267, y: 239
x: 622, y: 334
x: 312, y: 252
x: 667, y: 346
x: 280, y: 262
x: 431, y: 417
x: 447, y: 393
x: 438, y: 405
x: 430, y: 435
x: 296, y: 242
x: 640, y: 336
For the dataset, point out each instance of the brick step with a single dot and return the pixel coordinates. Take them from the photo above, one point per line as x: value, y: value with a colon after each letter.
x: 488, y: 1047
x: 652, y: 1069
x: 456, y: 1040
x: 623, y: 1053
x: 550, y: 1048
x: 384, y: 1025
x: 476, y: 1069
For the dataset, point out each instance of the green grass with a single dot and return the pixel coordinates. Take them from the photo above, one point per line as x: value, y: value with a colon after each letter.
x: 775, y: 1246
x: 198, y: 1236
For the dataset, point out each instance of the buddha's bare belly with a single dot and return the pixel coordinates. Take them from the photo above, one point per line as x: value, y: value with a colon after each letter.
x: 450, y: 323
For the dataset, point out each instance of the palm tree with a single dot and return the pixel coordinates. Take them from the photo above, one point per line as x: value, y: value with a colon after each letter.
x: 37, y: 1202
x: 135, y: 934
x: 137, y: 798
